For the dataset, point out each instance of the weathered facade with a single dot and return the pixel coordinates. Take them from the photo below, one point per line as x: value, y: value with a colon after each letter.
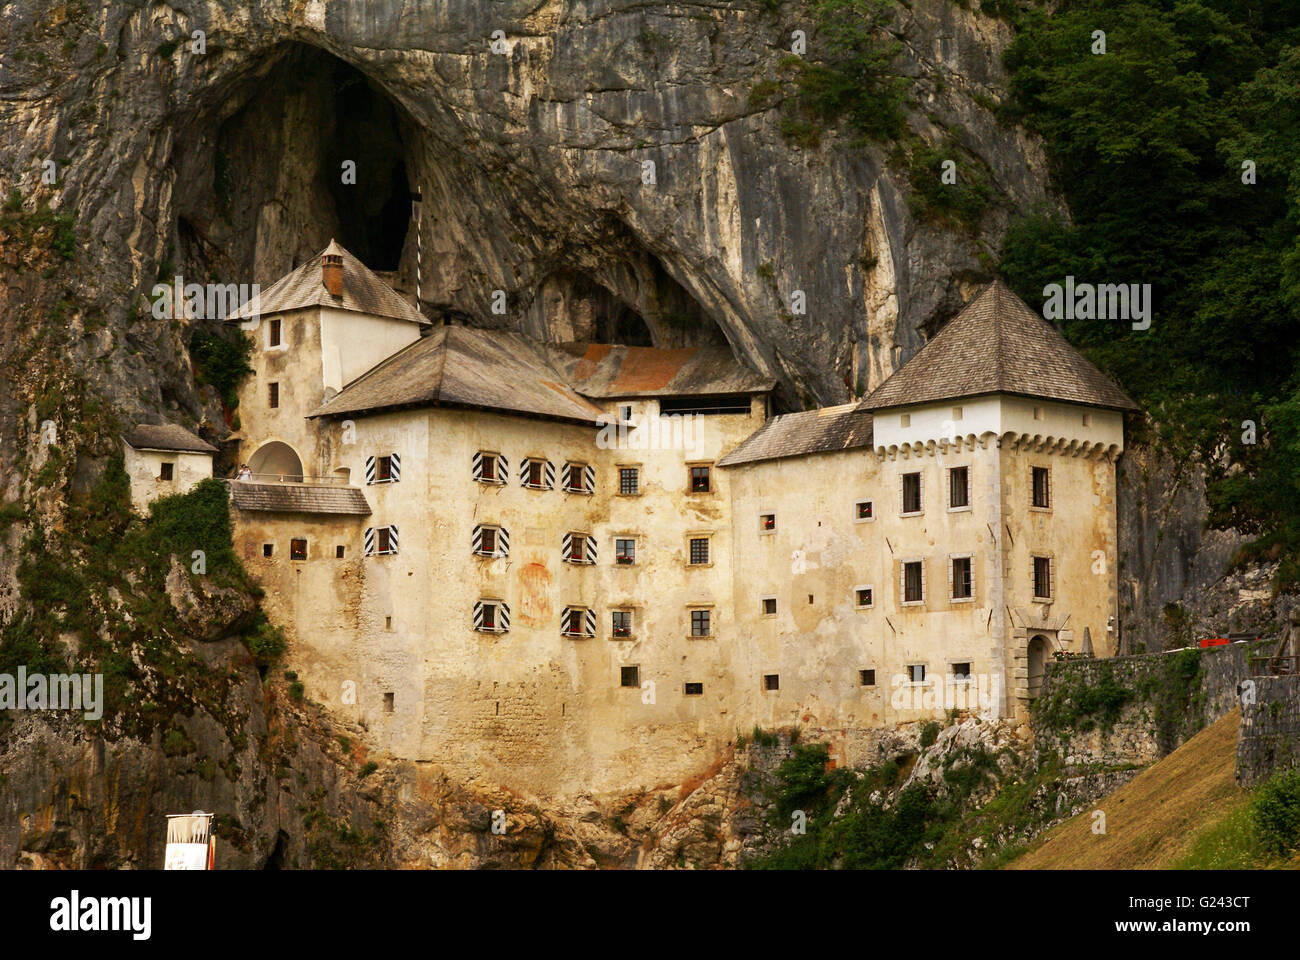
x: 570, y: 568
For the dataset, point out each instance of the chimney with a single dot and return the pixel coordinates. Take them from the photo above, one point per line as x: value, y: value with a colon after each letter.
x: 331, y: 270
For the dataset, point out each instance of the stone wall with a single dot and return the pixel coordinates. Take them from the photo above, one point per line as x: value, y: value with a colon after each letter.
x: 1159, y: 701
x: 1270, y: 730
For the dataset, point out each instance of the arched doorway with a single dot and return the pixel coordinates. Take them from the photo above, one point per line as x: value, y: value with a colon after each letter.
x: 1039, y: 647
x: 275, y: 462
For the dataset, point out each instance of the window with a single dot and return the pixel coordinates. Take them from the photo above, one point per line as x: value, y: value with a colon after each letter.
x: 700, y: 480
x: 578, y: 548
x: 624, y: 551
x: 1087, y: 419
x: 578, y: 478
x: 490, y: 541
x: 268, y: 549
x: 863, y: 510
x: 771, y: 681
x: 694, y: 689
x: 165, y: 472
x: 863, y: 597
x: 962, y: 585
x: 534, y: 474
x: 1042, y: 488
x: 905, y: 420
x: 956, y: 413
x: 1042, y: 578
x: 629, y: 676
x: 959, y: 487
x: 700, y: 623
x: 298, y: 549
x: 916, y: 673
x: 388, y: 703
x: 490, y: 467
x: 621, y: 625
x: 273, y: 332
x: 914, y: 582
x: 911, y: 493
x: 625, y: 413
x: 629, y: 481
x: 867, y: 678
x: 767, y: 523
x: 273, y: 394
x: 339, y: 552
x: 769, y: 606
x: 699, y: 550
x: 1038, y: 413
x: 578, y: 622
x: 491, y: 616
x: 961, y: 671
x: 383, y: 469
x: 380, y: 540
x: 388, y: 623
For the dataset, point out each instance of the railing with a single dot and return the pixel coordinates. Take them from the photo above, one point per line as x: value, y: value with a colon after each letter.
x: 291, y: 478
x: 1277, y: 666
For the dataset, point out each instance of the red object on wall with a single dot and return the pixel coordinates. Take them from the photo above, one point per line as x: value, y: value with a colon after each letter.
x: 1214, y: 642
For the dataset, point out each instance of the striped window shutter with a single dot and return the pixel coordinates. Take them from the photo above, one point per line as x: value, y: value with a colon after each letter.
x: 478, y: 615
x: 476, y: 541
x: 370, y: 470
x: 503, y: 617
x: 369, y: 541
x: 549, y: 472
x: 566, y: 472
x: 503, y: 470
x: 589, y: 622
x: 395, y: 471
x: 566, y: 544
x: 503, y: 543
x: 392, y: 538
x: 589, y: 478
x: 590, y: 554
x: 476, y: 465
x: 523, y: 472
x: 564, y: 621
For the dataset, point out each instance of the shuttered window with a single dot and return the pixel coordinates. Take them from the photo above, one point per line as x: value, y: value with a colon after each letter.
x: 380, y: 540
x: 578, y: 548
x: 490, y: 467
x: 537, y: 474
x: 384, y: 469
x: 578, y: 622
x: 578, y: 478
x: 491, y: 616
x: 490, y: 541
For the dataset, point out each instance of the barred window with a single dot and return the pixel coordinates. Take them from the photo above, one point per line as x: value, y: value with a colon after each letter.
x: 1043, y: 578
x: 700, y: 623
x: 629, y: 480
x: 699, y: 549
x: 959, y: 487
x: 1042, y: 487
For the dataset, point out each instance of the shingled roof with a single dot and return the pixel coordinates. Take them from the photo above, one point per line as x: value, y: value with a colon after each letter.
x: 998, y: 345
x: 168, y: 437
x: 363, y: 292
x: 297, y: 498
x: 845, y: 427
x: 466, y: 367
x: 606, y: 371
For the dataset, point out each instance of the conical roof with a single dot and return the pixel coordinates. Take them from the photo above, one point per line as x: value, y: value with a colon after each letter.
x: 998, y: 345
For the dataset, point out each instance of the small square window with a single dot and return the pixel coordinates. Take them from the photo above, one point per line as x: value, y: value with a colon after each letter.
x: 339, y: 552
x: 694, y: 689
x: 273, y: 332
x: 864, y: 510
x: 268, y: 549
x: 961, y: 671
x: 1087, y: 419
x: 388, y: 703
x: 767, y: 523
x: 383, y: 468
x: 624, y: 551
x: 629, y: 676
x: 956, y: 413
x: 867, y: 678
x: 298, y: 549
x: 1038, y: 413
x: 166, y: 472
x: 621, y: 623
x: 863, y: 596
x: 700, y: 480
x: 771, y: 681
x: 629, y: 481
x: 700, y: 623
x: 916, y: 672
x: 388, y: 623
x: 769, y: 606
x: 905, y: 420
x: 699, y: 550
x: 273, y: 394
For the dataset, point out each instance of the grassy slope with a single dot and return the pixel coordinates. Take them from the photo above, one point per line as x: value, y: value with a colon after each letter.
x: 1161, y: 817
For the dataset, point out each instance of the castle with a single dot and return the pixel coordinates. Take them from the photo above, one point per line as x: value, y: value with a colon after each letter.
x: 578, y: 568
